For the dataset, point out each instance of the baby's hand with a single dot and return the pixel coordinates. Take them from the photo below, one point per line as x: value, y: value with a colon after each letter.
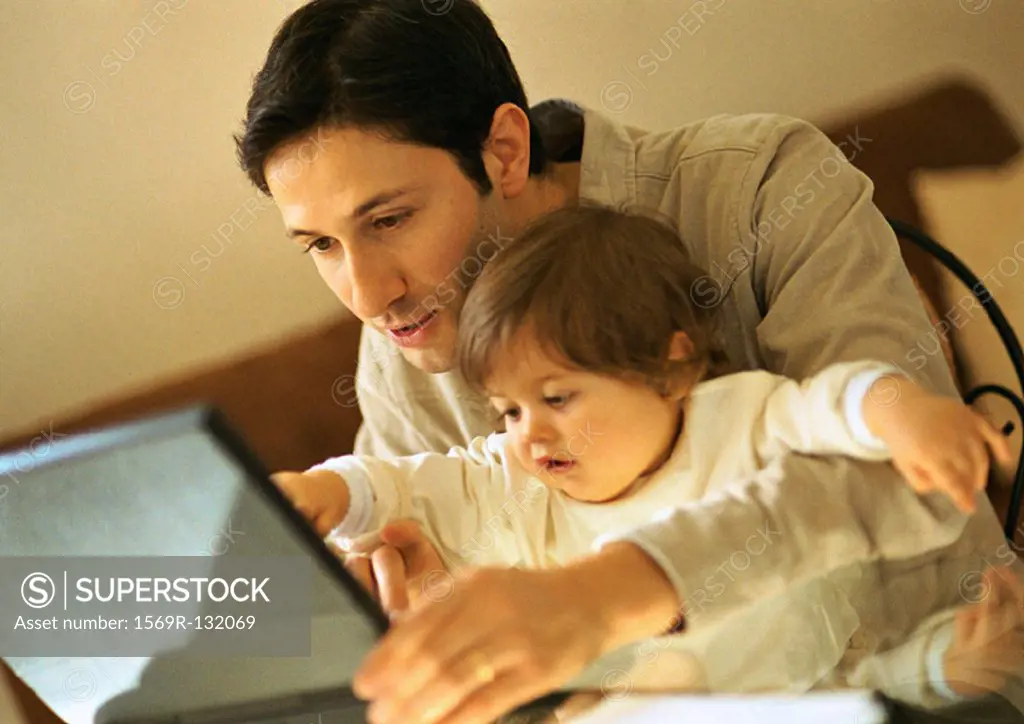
x: 321, y: 496
x: 937, y: 443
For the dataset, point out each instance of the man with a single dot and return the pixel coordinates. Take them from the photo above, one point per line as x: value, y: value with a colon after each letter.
x: 394, y: 136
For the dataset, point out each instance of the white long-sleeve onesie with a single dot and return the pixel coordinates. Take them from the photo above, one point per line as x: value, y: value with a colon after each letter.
x: 480, y: 507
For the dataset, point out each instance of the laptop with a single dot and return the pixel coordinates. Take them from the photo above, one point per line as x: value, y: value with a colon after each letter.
x: 184, y: 483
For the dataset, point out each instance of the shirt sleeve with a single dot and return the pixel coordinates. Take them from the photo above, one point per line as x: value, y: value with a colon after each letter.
x: 450, y: 495
x: 912, y: 672
x: 822, y: 415
x: 809, y: 516
x: 831, y: 287
x: 827, y: 272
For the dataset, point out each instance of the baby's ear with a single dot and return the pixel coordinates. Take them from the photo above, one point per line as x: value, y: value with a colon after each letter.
x: 683, y: 370
x: 681, y: 347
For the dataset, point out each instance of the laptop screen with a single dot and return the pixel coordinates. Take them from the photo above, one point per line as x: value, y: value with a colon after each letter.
x: 177, y: 485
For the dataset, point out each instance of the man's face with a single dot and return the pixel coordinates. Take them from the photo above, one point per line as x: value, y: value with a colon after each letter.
x: 396, y: 230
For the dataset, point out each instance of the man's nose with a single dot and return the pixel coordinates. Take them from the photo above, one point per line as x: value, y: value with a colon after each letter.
x: 376, y: 283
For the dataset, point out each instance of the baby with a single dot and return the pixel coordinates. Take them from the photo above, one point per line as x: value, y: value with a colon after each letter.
x: 603, y: 370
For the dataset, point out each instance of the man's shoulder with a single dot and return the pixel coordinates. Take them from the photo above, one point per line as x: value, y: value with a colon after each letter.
x: 721, y: 159
x: 726, y: 137
x: 563, y: 124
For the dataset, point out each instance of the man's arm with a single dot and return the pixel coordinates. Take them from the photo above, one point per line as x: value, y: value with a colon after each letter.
x: 911, y: 671
x: 800, y: 518
x: 831, y: 287
x: 827, y: 273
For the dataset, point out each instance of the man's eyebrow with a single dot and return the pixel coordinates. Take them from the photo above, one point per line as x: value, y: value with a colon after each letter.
x: 380, y: 199
x: 362, y: 210
x: 293, y: 233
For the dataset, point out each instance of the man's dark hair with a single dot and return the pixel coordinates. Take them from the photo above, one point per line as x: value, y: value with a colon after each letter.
x: 430, y: 72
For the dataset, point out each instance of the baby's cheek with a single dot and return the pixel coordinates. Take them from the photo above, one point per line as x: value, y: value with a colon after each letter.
x: 589, y: 438
x: 523, y: 457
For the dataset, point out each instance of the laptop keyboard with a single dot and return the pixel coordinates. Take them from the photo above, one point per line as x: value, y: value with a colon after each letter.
x: 354, y: 713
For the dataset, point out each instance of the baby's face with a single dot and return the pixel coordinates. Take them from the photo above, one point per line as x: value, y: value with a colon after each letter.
x: 589, y: 435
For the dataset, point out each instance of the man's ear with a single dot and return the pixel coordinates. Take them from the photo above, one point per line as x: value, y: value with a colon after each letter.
x: 506, y: 152
x: 681, y: 347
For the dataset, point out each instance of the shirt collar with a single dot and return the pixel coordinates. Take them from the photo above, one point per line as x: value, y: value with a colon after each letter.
x: 608, y: 163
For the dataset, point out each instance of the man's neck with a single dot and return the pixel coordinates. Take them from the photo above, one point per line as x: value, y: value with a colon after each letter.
x: 561, y: 126
x: 559, y: 186
x: 567, y: 177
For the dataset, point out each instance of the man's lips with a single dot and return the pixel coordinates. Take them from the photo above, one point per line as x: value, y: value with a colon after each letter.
x: 410, y: 329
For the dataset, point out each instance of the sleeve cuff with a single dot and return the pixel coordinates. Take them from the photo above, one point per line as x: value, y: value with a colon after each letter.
x: 936, y: 671
x: 853, y: 405
x: 360, y: 506
x: 655, y: 553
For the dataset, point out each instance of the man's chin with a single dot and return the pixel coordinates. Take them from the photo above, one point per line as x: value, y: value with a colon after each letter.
x: 432, y: 361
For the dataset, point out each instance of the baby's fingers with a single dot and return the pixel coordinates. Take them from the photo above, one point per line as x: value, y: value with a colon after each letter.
x: 962, y: 496
x: 978, y: 453
x: 941, y: 478
x: 998, y: 443
x: 914, y: 476
x: 957, y: 478
x: 322, y: 519
x: 288, y: 483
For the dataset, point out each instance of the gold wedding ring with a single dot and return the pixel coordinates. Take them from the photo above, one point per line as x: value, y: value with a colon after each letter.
x: 482, y: 669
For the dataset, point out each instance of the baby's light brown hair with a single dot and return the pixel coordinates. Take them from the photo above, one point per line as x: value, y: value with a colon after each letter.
x: 602, y: 289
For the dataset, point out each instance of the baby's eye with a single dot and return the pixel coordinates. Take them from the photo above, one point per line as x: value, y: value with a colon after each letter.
x: 557, y: 401
x: 511, y: 414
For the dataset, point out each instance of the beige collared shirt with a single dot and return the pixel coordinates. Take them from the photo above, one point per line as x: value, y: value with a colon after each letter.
x: 805, y: 272
x: 803, y: 268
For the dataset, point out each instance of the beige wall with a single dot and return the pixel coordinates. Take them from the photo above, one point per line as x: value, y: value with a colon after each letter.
x: 114, y: 174
x: 978, y: 215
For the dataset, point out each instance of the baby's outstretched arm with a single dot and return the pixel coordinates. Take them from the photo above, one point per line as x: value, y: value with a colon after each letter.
x: 936, y: 442
x: 456, y: 498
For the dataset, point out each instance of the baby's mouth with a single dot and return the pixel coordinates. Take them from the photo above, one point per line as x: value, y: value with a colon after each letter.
x: 556, y: 466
